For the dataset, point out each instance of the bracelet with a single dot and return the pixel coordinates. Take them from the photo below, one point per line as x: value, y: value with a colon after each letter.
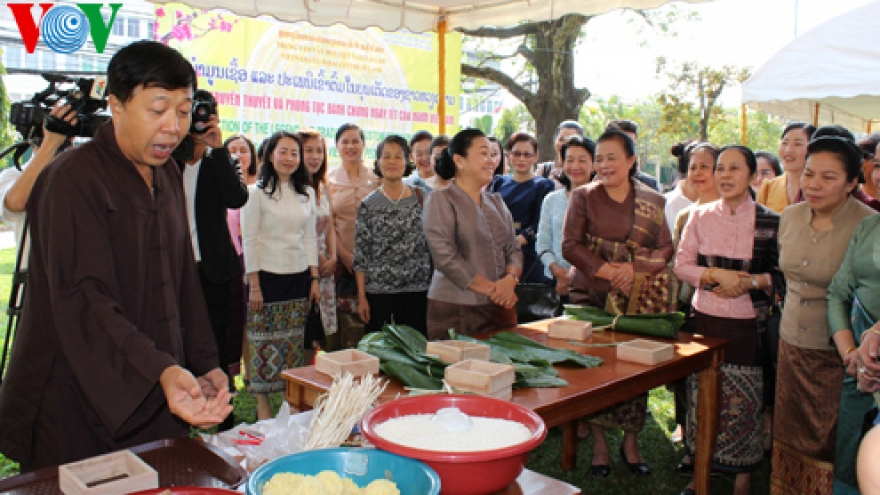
x: 709, y: 277
x: 315, y: 277
x: 514, y: 276
x: 850, y: 351
x: 256, y: 290
x: 870, y: 330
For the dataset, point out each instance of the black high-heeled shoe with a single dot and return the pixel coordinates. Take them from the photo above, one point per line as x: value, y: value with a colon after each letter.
x: 685, y: 467
x: 600, y: 470
x: 639, y: 468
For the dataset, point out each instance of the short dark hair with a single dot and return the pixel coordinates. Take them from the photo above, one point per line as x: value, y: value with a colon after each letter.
x: 499, y: 170
x: 419, y: 137
x: 252, y: 168
x: 809, y: 129
x: 568, y: 124
x: 772, y: 159
x: 407, y: 154
x: 148, y: 64
x: 575, y: 141
x: 441, y: 140
x: 843, y: 149
x: 349, y: 127
x: 459, y: 145
x: 268, y: 180
x: 521, y: 137
x: 623, y: 125
x: 703, y: 146
x: 746, y: 152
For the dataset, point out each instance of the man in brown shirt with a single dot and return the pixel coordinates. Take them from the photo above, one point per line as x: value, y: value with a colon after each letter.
x: 114, y: 316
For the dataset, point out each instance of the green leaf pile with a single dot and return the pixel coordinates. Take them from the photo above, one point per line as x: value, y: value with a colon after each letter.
x: 401, y: 352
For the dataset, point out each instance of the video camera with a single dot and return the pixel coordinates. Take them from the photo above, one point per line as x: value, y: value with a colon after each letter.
x: 204, y: 106
x: 86, y: 98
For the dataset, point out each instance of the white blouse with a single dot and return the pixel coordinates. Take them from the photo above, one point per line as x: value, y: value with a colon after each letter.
x: 278, y: 232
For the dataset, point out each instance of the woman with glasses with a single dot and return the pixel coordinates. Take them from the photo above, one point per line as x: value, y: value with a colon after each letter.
x: 523, y: 193
x: 768, y: 168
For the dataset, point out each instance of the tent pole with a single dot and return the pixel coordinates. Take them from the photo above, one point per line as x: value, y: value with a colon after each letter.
x: 745, y: 125
x: 816, y: 115
x: 441, y: 71
x: 869, y: 127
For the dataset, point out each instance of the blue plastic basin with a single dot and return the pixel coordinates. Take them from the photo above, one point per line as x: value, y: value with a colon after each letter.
x: 361, y: 465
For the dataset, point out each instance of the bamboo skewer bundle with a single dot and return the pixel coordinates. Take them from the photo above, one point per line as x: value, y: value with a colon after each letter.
x: 339, y: 410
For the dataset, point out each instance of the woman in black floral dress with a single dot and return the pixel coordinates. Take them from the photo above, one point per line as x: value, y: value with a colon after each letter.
x: 392, y: 264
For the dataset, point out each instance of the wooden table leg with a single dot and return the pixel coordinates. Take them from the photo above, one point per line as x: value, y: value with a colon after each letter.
x: 708, y: 413
x: 569, y: 445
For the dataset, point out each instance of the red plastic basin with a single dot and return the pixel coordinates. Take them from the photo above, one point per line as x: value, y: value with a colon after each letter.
x: 462, y: 473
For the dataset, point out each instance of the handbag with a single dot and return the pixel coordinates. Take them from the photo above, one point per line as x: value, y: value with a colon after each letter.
x: 314, y: 331
x: 536, y: 301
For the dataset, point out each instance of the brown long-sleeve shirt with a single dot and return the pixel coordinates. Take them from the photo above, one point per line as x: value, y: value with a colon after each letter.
x: 112, y: 300
x: 592, y: 212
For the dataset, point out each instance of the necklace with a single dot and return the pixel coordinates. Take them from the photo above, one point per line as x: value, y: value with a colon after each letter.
x: 399, y: 197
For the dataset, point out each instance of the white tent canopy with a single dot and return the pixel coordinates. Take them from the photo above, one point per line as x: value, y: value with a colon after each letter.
x: 829, y: 75
x: 421, y: 15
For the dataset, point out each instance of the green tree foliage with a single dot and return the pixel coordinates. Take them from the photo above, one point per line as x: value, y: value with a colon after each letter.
x: 692, y: 95
x: 7, y: 133
x: 762, y: 130
x: 484, y: 124
x: 653, y: 143
x: 507, y: 125
x: 544, y: 54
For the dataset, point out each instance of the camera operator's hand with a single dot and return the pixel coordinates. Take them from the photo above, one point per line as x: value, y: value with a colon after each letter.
x: 52, y: 140
x: 16, y: 197
x: 212, y: 136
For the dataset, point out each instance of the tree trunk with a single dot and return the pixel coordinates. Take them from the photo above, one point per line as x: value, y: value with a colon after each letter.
x: 549, y: 48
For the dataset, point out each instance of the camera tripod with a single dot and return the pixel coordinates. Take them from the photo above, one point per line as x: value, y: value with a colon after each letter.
x: 16, y: 297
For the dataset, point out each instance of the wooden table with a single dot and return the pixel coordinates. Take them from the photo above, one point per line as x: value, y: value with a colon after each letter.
x: 589, y: 391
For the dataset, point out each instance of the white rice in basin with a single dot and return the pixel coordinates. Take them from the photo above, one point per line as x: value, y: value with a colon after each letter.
x: 419, y: 432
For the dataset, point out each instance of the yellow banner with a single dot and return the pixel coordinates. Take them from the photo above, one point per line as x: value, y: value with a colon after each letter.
x: 269, y: 76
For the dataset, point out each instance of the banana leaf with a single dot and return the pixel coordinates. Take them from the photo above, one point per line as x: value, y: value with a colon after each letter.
x: 661, y: 325
x: 410, y: 376
x: 525, y: 350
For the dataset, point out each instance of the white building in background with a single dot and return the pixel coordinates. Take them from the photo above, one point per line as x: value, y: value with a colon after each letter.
x: 134, y: 21
x: 482, y: 99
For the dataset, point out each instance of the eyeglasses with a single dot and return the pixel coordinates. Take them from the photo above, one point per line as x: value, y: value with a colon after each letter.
x: 521, y: 154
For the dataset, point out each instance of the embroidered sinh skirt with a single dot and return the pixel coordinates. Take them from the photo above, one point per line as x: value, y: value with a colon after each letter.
x: 275, y: 334
x: 808, y: 387
x: 739, y: 446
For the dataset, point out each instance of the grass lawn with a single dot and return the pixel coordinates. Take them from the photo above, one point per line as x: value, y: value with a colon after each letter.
x: 661, y: 454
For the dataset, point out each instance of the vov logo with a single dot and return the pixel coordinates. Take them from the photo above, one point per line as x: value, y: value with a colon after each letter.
x: 65, y: 28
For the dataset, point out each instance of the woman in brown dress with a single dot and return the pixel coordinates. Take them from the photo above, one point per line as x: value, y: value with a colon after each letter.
x: 616, y: 236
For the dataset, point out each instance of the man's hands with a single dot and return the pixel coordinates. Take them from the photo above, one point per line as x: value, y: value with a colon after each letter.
x: 202, y: 403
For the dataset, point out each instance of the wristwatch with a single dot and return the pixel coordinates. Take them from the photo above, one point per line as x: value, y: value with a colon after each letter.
x: 754, y: 282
